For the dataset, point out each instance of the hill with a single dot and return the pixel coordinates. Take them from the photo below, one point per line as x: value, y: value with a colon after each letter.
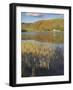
x: 44, y: 25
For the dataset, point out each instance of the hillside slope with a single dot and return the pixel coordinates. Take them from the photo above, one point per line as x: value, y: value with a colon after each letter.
x: 44, y: 25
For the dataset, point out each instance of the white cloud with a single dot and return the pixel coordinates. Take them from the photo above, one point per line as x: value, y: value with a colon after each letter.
x: 33, y: 14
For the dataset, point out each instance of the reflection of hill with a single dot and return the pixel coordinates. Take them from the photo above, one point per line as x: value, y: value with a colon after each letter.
x: 44, y: 25
x: 51, y: 36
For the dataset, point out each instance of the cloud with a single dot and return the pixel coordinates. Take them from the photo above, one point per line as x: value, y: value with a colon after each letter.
x: 34, y: 14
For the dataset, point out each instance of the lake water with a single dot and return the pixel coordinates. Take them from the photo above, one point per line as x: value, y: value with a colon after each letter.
x: 51, y: 36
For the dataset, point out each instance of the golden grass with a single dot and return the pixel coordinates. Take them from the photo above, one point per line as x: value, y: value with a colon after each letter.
x: 36, y: 49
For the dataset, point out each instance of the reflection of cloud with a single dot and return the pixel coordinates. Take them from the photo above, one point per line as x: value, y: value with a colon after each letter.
x: 34, y: 14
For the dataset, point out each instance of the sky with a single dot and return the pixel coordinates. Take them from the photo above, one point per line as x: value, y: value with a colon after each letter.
x: 31, y: 17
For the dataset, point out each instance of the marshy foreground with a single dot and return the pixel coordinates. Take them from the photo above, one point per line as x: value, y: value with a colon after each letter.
x: 42, y: 58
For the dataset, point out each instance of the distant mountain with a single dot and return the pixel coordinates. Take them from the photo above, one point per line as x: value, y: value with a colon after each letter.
x: 44, y: 25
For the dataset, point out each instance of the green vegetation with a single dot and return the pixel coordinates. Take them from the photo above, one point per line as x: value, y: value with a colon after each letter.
x: 44, y: 25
